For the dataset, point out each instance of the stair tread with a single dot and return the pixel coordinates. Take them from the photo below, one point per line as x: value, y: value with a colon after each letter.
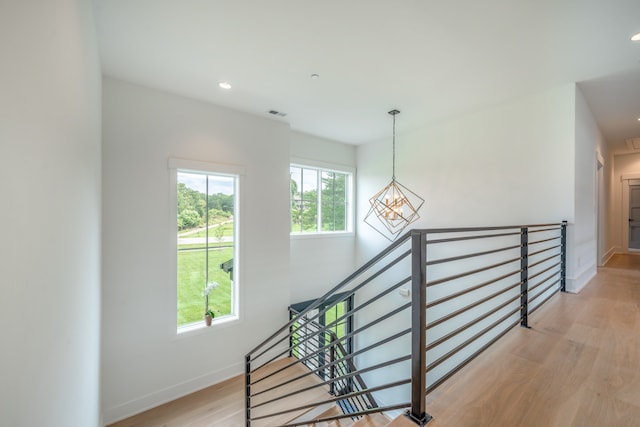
x: 372, y: 420
x: 401, y: 421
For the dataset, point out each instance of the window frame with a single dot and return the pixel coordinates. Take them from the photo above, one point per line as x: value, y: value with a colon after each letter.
x: 207, y: 168
x: 349, y: 203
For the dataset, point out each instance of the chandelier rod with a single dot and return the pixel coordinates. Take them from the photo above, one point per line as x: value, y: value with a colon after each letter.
x: 393, y: 113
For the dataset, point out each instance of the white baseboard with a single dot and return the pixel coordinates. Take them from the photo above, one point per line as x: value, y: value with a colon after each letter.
x: 576, y: 284
x: 159, y: 397
x: 609, y: 254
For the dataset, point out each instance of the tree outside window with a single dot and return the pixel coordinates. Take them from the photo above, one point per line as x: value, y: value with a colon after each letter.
x: 319, y: 200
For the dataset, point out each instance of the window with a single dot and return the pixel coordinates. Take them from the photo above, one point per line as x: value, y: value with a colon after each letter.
x: 206, y: 227
x: 320, y: 200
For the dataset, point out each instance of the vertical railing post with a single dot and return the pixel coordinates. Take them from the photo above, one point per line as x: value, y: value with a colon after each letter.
x: 332, y: 369
x: 247, y: 389
x: 291, y: 330
x: 563, y: 257
x: 418, y: 328
x: 524, y: 277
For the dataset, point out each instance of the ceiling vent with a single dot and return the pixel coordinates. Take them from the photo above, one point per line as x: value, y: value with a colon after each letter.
x: 277, y: 113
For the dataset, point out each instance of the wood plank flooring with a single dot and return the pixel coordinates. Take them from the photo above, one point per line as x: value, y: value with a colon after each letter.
x: 578, y: 365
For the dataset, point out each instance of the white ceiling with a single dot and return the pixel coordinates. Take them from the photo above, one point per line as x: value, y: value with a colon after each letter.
x: 430, y: 59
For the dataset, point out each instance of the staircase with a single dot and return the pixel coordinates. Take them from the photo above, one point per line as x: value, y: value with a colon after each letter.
x: 422, y: 309
x: 297, y: 378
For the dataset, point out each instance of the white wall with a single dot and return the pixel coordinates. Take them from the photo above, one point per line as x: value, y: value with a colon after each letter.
x: 510, y: 164
x: 144, y: 362
x: 318, y: 263
x: 582, y: 260
x: 50, y: 216
x: 507, y: 165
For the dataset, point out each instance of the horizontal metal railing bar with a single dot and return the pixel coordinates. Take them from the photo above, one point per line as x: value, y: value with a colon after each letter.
x: 476, y: 254
x: 551, y: 267
x: 465, y: 362
x: 539, y: 230
x: 335, y: 342
x: 368, y: 302
x: 351, y: 355
x: 473, y: 229
x: 327, y: 382
x: 315, y: 372
x: 540, y: 283
x: 343, y: 338
x: 543, y: 260
x: 321, y: 312
x: 446, y: 356
x: 471, y: 289
x: 381, y: 255
x: 542, y: 292
x: 471, y: 272
x: 374, y: 322
x: 335, y: 399
x: 347, y: 295
x: 373, y: 261
x: 463, y: 238
x: 305, y: 338
x: 544, y: 250
x: 471, y: 323
x: 350, y: 415
x: 544, y: 301
x: 544, y: 240
x: 343, y: 365
x: 470, y: 306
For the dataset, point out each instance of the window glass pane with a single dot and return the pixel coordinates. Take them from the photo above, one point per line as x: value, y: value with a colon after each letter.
x: 334, y: 195
x: 296, y: 199
x: 205, y: 222
x: 309, y: 200
x: 319, y: 200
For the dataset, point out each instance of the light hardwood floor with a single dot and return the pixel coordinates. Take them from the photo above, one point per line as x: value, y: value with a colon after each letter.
x: 578, y: 365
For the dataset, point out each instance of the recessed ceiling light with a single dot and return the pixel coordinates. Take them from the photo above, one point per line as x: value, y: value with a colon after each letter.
x: 636, y: 37
x: 315, y: 76
x: 225, y: 85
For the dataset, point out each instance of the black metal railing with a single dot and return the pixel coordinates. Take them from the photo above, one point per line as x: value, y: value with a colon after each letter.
x: 422, y: 308
x: 322, y: 351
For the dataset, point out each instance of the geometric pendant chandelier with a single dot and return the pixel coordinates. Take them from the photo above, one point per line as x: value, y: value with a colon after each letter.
x: 395, y: 206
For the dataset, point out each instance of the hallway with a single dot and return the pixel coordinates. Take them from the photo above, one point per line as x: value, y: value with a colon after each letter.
x: 578, y: 365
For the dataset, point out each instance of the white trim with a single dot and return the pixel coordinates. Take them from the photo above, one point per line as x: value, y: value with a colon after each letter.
x: 608, y: 255
x: 321, y: 235
x: 628, y: 176
x: 575, y: 284
x: 351, y: 196
x: 198, y: 166
x: 238, y: 173
x: 331, y: 167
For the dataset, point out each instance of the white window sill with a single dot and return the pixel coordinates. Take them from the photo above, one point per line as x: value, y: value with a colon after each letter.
x: 322, y: 235
x: 201, y: 327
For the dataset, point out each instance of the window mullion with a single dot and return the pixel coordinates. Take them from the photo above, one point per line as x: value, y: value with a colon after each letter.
x: 319, y: 201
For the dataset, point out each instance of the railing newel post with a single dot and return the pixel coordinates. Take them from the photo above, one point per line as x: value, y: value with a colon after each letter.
x: 418, y: 413
x: 563, y: 257
x: 524, y: 277
x: 247, y: 389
